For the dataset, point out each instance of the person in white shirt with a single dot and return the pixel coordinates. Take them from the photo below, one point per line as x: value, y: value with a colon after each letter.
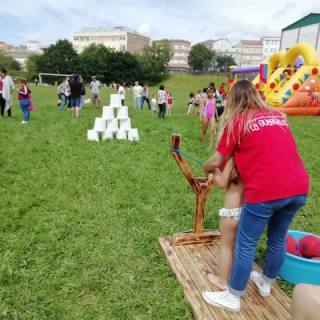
x: 162, y: 101
x: 121, y: 92
x: 137, y: 95
x: 64, y: 92
x: 7, y: 89
x: 95, y: 91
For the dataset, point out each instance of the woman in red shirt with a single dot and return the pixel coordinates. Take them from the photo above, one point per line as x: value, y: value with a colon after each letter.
x: 24, y: 100
x: 275, y: 186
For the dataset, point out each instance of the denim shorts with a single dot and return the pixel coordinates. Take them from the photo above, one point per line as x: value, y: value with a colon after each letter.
x: 75, y: 102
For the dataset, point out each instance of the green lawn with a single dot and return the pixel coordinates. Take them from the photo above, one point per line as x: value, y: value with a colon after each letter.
x: 79, y: 221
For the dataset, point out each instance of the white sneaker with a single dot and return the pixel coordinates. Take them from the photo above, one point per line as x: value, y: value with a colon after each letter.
x: 222, y: 299
x: 263, y: 286
x: 24, y: 122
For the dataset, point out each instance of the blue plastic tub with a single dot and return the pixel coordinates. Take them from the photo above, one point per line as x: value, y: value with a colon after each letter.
x: 298, y: 269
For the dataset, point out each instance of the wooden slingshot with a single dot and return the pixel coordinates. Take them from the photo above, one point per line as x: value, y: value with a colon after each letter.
x: 201, y: 187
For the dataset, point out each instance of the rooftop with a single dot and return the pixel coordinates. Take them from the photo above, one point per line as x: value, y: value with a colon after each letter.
x: 173, y: 40
x: 104, y: 29
x: 312, y: 18
x: 251, y: 42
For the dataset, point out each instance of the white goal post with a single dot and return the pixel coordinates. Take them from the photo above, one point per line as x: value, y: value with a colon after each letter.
x: 53, y: 75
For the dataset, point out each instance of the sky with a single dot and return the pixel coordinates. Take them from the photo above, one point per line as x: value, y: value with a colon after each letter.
x: 193, y: 20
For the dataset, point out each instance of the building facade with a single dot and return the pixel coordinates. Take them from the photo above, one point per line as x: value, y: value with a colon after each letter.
x: 34, y: 46
x: 119, y: 39
x: 307, y: 29
x: 270, y: 45
x: 225, y: 47
x: 179, y: 54
x: 250, y: 53
x: 21, y: 53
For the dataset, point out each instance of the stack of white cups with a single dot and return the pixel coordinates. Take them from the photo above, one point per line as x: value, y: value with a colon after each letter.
x: 109, y: 125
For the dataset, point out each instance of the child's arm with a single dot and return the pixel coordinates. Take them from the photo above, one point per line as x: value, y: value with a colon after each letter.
x: 222, y: 178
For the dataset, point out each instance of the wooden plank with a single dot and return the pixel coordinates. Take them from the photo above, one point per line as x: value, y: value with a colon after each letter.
x: 278, y: 304
x: 200, y: 309
x: 201, y: 282
x: 192, y: 263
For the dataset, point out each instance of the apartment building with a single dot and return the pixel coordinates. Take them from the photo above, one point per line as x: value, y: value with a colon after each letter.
x: 118, y: 38
x: 270, y: 46
x: 180, y: 53
x: 21, y: 53
x: 250, y: 53
x: 223, y: 46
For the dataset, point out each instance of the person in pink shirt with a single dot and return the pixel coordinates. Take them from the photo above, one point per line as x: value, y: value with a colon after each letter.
x: 170, y: 102
x: 24, y: 100
x: 275, y: 185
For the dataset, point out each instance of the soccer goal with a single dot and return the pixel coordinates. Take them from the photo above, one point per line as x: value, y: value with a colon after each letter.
x: 55, y: 76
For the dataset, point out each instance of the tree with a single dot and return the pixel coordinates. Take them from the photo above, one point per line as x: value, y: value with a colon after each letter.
x: 94, y: 61
x: 122, y: 66
x: 154, y: 62
x: 8, y: 62
x: 223, y: 62
x: 32, y: 67
x: 60, y: 58
x: 200, y: 57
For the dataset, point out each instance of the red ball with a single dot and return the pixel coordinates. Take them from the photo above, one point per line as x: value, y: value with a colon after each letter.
x: 272, y: 85
x: 292, y: 245
x: 315, y: 71
x: 295, y: 86
x: 310, y: 246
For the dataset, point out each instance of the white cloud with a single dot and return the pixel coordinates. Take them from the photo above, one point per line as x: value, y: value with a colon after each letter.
x: 194, y: 20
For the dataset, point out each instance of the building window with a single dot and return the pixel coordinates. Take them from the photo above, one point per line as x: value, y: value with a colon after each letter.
x: 122, y: 38
x: 122, y: 47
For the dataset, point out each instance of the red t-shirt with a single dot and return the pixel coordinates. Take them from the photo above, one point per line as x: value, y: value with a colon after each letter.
x: 267, y: 158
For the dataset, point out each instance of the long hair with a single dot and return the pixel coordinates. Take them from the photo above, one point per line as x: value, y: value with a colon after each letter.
x: 243, y: 102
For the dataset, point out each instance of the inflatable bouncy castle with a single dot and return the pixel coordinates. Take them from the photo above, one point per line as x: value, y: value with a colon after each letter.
x: 289, y: 81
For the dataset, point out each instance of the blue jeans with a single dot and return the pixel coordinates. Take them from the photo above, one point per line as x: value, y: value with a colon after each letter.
x: 277, y: 216
x: 137, y: 102
x: 63, y: 99
x: 143, y: 99
x: 24, y: 106
x: 162, y: 110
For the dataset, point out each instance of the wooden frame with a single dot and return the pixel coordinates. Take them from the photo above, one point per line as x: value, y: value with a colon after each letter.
x: 201, y: 187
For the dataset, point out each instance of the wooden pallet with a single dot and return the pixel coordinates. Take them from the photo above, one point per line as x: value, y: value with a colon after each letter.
x: 191, y: 264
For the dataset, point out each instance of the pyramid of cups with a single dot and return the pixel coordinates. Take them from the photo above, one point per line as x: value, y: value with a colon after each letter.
x: 114, y: 123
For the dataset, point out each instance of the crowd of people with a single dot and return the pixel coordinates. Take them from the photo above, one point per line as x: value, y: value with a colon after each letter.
x: 255, y: 198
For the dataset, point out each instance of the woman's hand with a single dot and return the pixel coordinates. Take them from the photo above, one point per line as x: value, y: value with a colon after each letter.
x: 214, y: 162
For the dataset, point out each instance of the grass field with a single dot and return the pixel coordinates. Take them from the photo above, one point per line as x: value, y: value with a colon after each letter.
x: 79, y: 221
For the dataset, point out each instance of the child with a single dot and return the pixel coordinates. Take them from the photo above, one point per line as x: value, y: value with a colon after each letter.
x: 229, y: 217
x: 190, y: 103
x: 203, y: 98
x: 24, y: 100
x: 208, y: 116
x: 170, y: 102
x: 121, y: 91
x: 197, y: 101
x: 222, y: 91
x: 154, y: 103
